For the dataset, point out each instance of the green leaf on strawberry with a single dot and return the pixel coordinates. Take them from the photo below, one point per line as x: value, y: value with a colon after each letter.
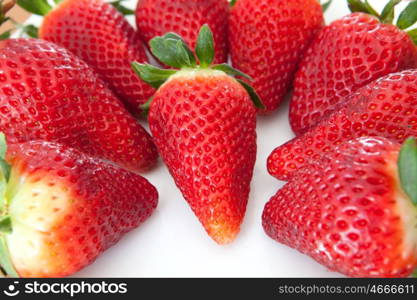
x: 172, y: 51
x: 228, y: 69
x: 407, y: 166
x: 413, y: 35
x: 408, y: 16
x: 406, y: 19
x: 205, y: 47
x: 388, y: 13
x: 151, y: 74
x: 386, y: 16
x: 359, y: 6
x: 37, y: 7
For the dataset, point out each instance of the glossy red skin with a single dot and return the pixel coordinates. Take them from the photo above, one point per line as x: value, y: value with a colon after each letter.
x: 108, y: 202
x: 342, y: 212
x: 47, y: 93
x: 267, y: 40
x: 346, y: 55
x: 97, y: 33
x: 386, y: 107
x: 205, y: 131
x: 185, y: 17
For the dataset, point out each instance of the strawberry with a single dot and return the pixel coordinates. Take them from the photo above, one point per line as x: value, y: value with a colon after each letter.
x: 386, y: 107
x: 96, y: 32
x: 47, y: 93
x: 185, y: 17
x: 203, y: 123
x: 267, y: 40
x: 60, y: 209
x: 354, y: 211
x: 346, y: 55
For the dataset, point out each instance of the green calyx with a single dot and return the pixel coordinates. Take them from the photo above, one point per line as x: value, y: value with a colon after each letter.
x: 407, y: 167
x: 172, y: 50
x: 6, y: 265
x: 406, y: 19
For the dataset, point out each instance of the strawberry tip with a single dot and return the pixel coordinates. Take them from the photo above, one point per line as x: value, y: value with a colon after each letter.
x: 223, y: 233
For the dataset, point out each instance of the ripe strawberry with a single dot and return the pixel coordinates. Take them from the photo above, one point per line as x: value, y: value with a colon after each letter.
x: 350, y: 211
x: 386, y: 107
x: 203, y: 123
x: 346, y: 55
x: 61, y: 209
x: 185, y: 17
x: 96, y: 32
x: 267, y: 40
x: 47, y: 93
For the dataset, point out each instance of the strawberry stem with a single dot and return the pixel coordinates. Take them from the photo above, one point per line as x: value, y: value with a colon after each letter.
x: 407, y: 166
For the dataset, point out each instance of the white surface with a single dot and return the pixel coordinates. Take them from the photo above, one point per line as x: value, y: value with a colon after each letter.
x: 172, y: 243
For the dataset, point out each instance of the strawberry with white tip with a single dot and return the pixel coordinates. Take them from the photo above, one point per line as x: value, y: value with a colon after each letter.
x: 60, y: 209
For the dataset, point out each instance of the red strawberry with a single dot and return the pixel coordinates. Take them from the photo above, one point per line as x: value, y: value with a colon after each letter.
x: 346, y: 55
x: 96, y: 32
x: 61, y: 209
x: 267, y: 40
x: 350, y: 211
x: 386, y: 107
x: 49, y: 94
x: 203, y: 123
x: 185, y: 17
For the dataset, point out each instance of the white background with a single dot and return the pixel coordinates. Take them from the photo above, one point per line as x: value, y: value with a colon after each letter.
x: 172, y: 243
